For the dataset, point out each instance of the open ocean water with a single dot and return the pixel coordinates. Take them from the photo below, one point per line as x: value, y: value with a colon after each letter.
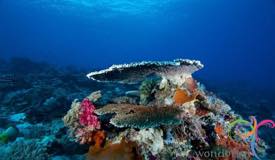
x: 48, y: 46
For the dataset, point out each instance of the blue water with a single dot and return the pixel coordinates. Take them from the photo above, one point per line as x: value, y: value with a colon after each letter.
x: 235, y: 39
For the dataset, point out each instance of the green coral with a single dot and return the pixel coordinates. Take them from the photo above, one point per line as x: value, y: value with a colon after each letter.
x: 4, y: 138
x: 147, y: 90
x: 9, y: 134
x: 139, y: 116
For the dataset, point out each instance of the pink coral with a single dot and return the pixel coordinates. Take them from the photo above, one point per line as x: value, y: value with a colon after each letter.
x: 87, y: 118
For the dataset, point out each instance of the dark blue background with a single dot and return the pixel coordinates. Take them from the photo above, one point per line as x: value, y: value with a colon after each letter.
x: 235, y: 39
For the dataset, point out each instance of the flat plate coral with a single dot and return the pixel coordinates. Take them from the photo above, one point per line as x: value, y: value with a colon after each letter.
x: 134, y: 72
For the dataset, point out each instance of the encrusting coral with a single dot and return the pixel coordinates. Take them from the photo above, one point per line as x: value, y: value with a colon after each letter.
x: 181, y: 96
x: 139, y: 116
x: 125, y: 150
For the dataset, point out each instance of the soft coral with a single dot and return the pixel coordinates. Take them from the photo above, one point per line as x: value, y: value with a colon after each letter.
x: 87, y: 118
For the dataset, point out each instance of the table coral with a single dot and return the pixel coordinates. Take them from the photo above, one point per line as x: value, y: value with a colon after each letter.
x: 176, y: 71
x: 139, y: 116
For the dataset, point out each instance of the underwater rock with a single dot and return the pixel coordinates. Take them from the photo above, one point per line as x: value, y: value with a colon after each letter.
x: 139, y: 116
x: 176, y: 71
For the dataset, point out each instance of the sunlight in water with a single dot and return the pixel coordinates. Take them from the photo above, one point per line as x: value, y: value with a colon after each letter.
x: 104, y: 7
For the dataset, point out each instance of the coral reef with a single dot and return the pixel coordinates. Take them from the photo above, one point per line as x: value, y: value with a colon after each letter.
x: 158, y: 112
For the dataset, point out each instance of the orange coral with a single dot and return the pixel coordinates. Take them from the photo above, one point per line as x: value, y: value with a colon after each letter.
x: 121, y: 151
x: 219, y: 130
x: 95, y: 138
x: 182, y: 96
x: 233, y: 146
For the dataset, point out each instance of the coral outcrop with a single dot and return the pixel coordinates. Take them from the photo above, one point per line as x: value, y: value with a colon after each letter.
x: 156, y: 111
x: 176, y: 119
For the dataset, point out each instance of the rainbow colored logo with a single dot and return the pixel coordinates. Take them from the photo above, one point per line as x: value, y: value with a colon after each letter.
x: 240, y: 126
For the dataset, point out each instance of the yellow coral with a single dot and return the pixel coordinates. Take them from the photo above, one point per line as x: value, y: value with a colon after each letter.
x: 71, y: 118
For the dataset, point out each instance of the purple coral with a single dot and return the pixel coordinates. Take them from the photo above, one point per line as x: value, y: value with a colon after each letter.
x: 87, y: 118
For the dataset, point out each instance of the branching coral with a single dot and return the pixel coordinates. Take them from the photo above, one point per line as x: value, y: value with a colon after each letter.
x: 23, y: 149
x: 71, y: 119
x: 138, y: 116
